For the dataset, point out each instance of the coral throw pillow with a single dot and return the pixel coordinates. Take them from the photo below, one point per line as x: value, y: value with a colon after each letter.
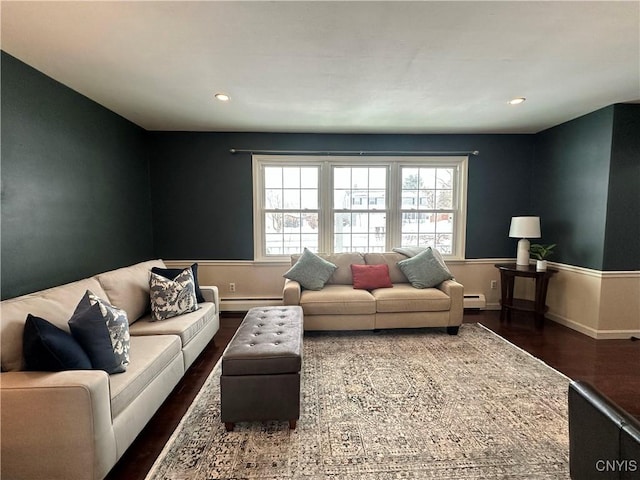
x: 370, y: 277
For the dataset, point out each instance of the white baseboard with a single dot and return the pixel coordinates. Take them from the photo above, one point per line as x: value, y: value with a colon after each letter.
x: 592, y: 332
x: 244, y: 304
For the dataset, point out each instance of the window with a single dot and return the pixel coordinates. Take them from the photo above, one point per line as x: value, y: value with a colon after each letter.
x: 372, y: 204
x: 359, y: 208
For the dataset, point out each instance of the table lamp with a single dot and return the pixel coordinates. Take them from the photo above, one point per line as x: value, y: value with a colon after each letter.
x: 524, y: 228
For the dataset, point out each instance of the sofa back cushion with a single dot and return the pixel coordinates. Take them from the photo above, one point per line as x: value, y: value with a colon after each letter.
x: 342, y: 274
x: 128, y: 287
x: 55, y: 305
x: 391, y: 259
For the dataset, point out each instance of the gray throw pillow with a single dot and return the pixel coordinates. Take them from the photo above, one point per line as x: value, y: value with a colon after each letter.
x: 170, y: 298
x: 424, y: 270
x: 413, y: 251
x: 311, y: 271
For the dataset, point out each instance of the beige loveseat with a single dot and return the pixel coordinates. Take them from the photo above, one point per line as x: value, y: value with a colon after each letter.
x: 76, y: 424
x: 338, y: 306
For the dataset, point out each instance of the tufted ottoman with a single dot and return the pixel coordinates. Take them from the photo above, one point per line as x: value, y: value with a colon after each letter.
x: 261, y: 367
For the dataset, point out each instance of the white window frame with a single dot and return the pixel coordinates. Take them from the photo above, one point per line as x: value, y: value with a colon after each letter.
x: 325, y: 194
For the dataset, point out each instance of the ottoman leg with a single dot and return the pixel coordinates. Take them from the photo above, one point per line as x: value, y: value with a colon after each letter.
x: 229, y: 426
x: 292, y: 424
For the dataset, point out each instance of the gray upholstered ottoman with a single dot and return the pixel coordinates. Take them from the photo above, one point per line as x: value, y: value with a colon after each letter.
x: 261, y: 367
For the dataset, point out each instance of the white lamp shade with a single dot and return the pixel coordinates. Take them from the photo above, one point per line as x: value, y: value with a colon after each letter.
x: 525, y: 227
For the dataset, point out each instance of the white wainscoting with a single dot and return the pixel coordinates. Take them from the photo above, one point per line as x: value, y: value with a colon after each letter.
x: 603, y: 305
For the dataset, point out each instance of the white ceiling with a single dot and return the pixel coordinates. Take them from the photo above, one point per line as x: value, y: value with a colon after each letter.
x: 365, y: 67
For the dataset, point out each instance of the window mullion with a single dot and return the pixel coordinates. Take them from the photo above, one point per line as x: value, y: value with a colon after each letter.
x: 326, y: 208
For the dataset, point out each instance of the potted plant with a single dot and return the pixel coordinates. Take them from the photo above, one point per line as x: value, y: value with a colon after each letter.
x: 541, y: 253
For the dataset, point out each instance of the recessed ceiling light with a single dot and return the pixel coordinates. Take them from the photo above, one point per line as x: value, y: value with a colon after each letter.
x: 222, y: 97
x: 517, y: 101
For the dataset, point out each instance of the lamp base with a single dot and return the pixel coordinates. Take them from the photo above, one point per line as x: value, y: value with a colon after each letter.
x: 523, y: 252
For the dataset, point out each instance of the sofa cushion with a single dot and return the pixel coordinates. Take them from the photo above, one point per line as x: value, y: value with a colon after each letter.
x: 48, y: 348
x: 390, y: 259
x: 128, y: 287
x: 103, y: 332
x: 310, y: 270
x: 172, y: 273
x: 370, y: 277
x: 185, y: 326
x: 424, y: 270
x: 337, y: 300
x: 404, y: 298
x: 56, y: 304
x: 170, y: 298
x: 150, y: 355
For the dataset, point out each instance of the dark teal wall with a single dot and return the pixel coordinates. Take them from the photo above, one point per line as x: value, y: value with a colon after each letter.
x: 571, y: 182
x: 202, y: 194
x: 622, y: 235
x: 75, y: 184
x: 84, y: 190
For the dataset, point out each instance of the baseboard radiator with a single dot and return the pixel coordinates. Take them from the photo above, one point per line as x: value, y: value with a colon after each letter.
x: 235, y: 304
x: 475, y: 301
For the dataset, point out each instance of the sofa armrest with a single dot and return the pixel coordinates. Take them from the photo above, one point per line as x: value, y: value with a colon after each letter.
x: 291, y: 292
x: 211, y: 294
x: 56, y: 425
x: 455, y: 291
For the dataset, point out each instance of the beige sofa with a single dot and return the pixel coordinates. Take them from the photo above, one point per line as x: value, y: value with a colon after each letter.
x: 338, y: 306
x: 76, y: 424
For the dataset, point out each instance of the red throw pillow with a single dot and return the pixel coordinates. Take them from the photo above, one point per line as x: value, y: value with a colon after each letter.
x: 369, y: 277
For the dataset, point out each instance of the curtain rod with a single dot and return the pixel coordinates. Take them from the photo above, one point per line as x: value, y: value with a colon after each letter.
x: 351, y: 152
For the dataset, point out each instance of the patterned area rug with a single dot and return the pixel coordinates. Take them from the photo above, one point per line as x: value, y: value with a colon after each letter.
x: 409, y: 404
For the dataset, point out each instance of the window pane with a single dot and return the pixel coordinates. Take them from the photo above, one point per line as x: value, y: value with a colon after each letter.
x: 378, y: 178
x: 444, y: 177
x: 291, y: 177
x: 273, y: 177
x: 427, y: 199
x: 309, y: 199
x: 445, y: 199
x: 359, y: 222
x: 359, y: 199
x: 342, y: 178
x: 309, y: 177
x: 273, y: 222
x: 411, y: 179
x: 342, y: 243
x: 341, y: 199
x: 428, y: 177
x: 444, y: 223
x: 409, y: 199
x: 273, y: 199
x: 359, y: 177
x: 377, y: 199
x: 291, y: 199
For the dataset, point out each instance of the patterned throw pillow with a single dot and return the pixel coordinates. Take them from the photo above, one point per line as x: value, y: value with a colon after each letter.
x: 424, y: 270
x: 170, y: 298
x: 172, y: 273
x: 103, y: 332
x: 311, y: 271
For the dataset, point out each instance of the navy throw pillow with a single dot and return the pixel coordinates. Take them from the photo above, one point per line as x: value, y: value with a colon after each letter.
x: 48, y: 348
x: 89, y: 328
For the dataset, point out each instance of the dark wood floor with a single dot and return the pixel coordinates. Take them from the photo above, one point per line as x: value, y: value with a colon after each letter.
x: 613, y: 366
